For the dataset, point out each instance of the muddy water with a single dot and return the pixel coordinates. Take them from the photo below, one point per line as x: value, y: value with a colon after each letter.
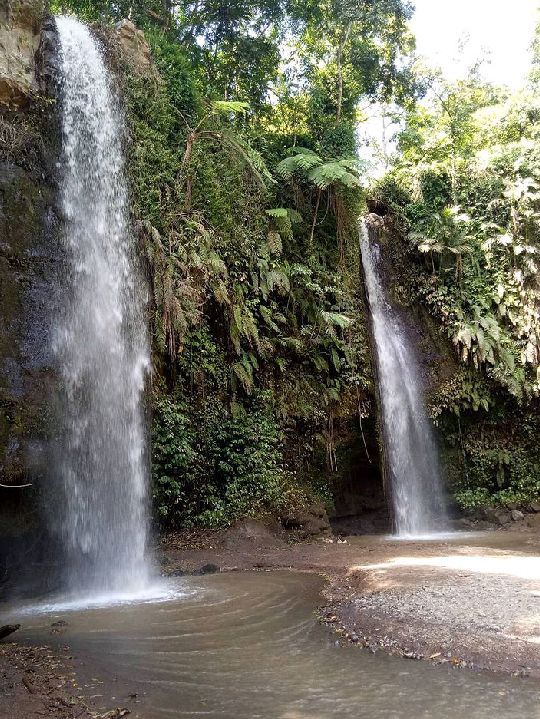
x: 247, y: 645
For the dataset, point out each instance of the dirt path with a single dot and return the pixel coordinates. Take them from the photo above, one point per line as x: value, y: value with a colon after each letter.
x: 471, y: 600
x: 37, y: 682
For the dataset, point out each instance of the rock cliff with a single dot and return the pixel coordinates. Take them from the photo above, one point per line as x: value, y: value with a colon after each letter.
x: 20, y: 22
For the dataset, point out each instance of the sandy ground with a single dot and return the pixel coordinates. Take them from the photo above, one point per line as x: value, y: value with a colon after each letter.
x: 472, y: 600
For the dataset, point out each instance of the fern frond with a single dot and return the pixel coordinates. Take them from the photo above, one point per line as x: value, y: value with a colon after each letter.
x: 287, y: 167
x: 266, y: 314
x: 225, y: 107
x: 302, y: 160
x: 276, y: 279
x: 277, y: 212
x: 331, y: 172
x: 245, y: 376
x: 251, y: 157
x: 335, y: 319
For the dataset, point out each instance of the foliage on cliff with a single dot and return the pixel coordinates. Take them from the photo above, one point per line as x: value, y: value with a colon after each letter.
x: 246, y: 190
x: 465, y: 194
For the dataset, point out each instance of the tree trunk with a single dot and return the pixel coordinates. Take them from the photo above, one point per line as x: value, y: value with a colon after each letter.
x: 315, y: 218
x: 339, y: 61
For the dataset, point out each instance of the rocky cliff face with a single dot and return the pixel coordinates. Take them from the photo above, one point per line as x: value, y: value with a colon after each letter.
x: 20, y: 22
x: 29, y: 250
x: 26, y: 215
x: 134, y: 49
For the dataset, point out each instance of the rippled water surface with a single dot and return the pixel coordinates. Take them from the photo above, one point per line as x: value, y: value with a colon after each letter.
x: 247, y: 645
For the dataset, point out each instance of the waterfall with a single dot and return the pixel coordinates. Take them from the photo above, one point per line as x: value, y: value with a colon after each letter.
x: 411, y: 454
x: 100, y: 343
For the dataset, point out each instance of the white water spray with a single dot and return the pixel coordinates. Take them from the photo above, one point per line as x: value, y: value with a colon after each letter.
x: 411, y: 454
x: 100, y: 342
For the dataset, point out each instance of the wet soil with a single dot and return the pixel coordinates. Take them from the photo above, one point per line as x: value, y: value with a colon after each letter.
x: 37, y: 682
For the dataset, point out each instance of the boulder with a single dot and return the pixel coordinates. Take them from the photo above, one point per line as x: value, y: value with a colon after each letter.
x: 375, y: 220
x: 8, y: 629
x: 516, y: 515
x: 497, y: 515
x: 533, y: 521
x: 135, y: 49
x: 249, y: 533
x: 308, y: 522
x: 20, y: 22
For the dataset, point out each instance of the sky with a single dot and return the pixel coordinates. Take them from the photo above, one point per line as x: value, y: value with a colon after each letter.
x: 454, y: 35
x: 500, y: 31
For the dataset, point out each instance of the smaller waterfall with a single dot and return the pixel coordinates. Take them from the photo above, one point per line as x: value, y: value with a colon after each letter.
x: 411, y: 453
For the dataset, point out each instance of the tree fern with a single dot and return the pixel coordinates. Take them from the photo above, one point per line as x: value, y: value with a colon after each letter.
x: 227, y: 107
x: 330, y: 173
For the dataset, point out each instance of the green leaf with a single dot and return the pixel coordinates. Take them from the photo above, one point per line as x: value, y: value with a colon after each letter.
x: 228, y: 106
x: 336, y: 319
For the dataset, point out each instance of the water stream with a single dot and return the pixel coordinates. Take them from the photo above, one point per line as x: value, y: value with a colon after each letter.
x: 245, y: 645
x: 411, y: 453
x: 100, y: 343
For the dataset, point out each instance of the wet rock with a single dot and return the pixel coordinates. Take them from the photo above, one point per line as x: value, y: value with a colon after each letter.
x: 8, y: 629
x: 48, y: 58
x: 135, y: 49
x: 516, y: 515
x: 177, y: 573
x: 207, y: 569
x: 497, y: 515
x: 308, y: 522
x: 534, y: 507
x: 375, y: 220
x: 19, y: 40
x: 533, y: 521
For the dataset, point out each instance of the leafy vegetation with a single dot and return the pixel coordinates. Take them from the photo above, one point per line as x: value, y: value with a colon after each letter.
x: 245, y: 191
x: 464, y: 193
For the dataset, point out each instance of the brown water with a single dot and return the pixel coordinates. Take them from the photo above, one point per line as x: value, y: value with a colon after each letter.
x: 248, y: 645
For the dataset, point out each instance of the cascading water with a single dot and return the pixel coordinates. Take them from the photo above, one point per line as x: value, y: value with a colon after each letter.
x: 411, y: 453
x: 100, y: 342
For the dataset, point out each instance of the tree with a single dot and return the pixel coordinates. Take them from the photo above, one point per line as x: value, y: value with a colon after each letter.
x: 355, y: 48
x: 325, y: 175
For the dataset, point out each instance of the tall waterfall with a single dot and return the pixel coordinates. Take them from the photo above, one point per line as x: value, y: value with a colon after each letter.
x: 411, y: 454
x: 100, y: 342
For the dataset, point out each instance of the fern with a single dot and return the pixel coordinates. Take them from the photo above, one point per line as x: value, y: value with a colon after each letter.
x: 251, y: 157
x: 330, y: 173
x: 244, y: 375
x: 303, y: 159
x: 335, y: 319
x: 277, y: 212
x: 322, y: 174
x: 226, y: 107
